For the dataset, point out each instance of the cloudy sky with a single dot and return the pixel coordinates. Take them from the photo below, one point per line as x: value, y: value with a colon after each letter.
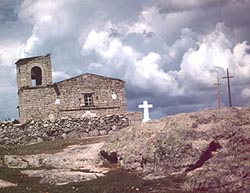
x: 169, y: 52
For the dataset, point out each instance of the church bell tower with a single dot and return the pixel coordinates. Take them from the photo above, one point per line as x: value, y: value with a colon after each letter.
x: 34, y: 72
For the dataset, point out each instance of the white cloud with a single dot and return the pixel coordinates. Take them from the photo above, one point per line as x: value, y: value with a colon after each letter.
x: 245, y: 93
x: 9, y: 52
x: 59, y: 75
x: 216, y: 53
x: 140, y: 71
x: 242, y: 60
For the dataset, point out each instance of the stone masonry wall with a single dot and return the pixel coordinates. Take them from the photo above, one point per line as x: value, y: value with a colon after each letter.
x: 39, y: 102
x: 23, y: 70
x: 72, y: 91
x: 38, y: 131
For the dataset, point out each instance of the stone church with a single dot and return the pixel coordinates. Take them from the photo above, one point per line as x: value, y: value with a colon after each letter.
x: 39, y: 98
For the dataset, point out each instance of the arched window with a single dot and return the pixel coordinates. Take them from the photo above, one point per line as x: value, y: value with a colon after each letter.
x: 36, y: 76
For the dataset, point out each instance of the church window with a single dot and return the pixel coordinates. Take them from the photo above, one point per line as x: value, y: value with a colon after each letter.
x: 88, y: 100
x: 36, y: 76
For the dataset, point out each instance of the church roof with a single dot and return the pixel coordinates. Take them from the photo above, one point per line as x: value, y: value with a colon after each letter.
x: 89, y: 74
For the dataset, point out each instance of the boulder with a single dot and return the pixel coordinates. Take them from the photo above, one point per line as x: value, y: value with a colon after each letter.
x: 14, y: 161
x: 4, y: 184
x: 83, y: 135
x: 72, y: 135
x: 94, y: 133
x: 211, y: 148
x: 103, y: 132
x: 52, y: 118
x: 64, y: 136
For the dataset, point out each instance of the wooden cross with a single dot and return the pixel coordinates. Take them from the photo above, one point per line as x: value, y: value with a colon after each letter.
x: 228, y: 85
x: 218, y: 84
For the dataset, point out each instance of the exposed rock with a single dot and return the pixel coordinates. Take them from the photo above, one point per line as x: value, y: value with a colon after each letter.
x: 61, y: 176
x: 211, y: 147
x: 206, y: 155
x: 112, y: 157
x: 15, y: 161
x: 73, y: 157
x: 4, y: 184
x: 69, y: 164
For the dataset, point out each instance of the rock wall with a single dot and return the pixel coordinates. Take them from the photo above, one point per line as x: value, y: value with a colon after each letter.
x: 38, y: 131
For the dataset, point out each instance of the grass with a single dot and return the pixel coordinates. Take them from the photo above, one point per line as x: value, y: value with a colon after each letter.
x: 46, y: 146
x: 117, y: 181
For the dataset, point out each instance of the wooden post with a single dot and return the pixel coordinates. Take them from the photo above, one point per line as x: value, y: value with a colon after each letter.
x: 228, y: 85
x: 218, y: 84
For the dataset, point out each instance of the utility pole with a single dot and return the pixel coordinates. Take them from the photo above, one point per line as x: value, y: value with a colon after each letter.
x: 218, y: 84
x: 228, y: 85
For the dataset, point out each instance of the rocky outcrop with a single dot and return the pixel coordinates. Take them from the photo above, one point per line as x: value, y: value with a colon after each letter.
x: 33, y: 132
x: 74, y: 164
x: 4, y: 184
x: 73, y: 157
x: 211, y: 148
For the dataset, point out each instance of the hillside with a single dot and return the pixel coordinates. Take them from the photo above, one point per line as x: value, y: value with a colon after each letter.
x: 210, y: 148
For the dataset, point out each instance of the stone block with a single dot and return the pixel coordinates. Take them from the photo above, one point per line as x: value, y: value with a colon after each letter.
x: 64, y: 136
x: 83, y: 135
x: 103, y: 132
x: 72, y: 135
x: 94, y: 133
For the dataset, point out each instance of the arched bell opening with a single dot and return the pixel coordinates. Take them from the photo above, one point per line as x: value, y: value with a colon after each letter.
x: 36, y: 76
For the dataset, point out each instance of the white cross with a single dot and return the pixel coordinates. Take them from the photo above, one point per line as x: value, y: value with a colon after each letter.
x: 145, y: 106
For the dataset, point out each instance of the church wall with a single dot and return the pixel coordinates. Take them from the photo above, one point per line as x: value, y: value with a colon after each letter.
x: 72, y: 91
x: 37, y: 103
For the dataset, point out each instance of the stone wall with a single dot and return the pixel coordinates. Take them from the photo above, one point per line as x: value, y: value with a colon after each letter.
x: 66, y: 98
x: 134, y: 117
x: 38, y: 131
